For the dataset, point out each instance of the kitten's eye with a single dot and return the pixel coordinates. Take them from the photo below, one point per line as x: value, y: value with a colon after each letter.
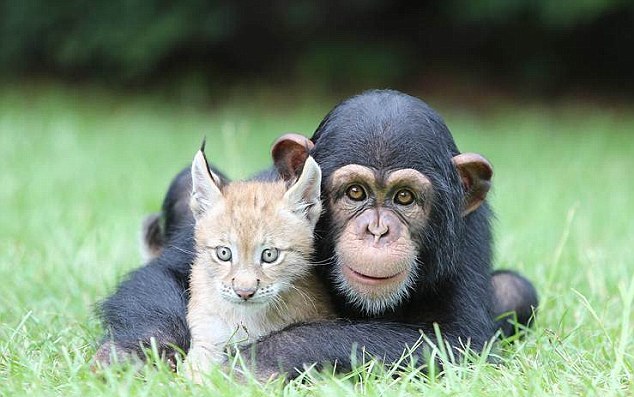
x: 356, y: 193
x: 270, y: 255
x: 223, y: 253
x: 404, y: 197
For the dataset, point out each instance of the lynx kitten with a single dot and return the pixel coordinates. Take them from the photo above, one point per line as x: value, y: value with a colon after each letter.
x: 252, y: 273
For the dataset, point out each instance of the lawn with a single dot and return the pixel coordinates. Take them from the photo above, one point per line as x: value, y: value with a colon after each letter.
x: 79, y: 168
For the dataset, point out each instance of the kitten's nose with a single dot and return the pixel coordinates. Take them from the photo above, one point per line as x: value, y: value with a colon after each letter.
x: 245, y: 294
x: 245, y: 289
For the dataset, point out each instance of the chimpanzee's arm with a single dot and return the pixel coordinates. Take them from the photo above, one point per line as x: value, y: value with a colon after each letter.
x: 337, y: 342
x: 150, y: 303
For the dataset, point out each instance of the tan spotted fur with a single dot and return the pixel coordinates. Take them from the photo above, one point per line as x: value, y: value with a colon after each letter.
x: 248, y: 217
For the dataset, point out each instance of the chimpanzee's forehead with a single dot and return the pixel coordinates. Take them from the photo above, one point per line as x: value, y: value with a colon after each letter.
x: 380, y: 152
x: 383, y: 130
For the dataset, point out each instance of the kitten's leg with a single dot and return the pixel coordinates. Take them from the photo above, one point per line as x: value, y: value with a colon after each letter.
x: 199, y: 362
x: 209, y: 336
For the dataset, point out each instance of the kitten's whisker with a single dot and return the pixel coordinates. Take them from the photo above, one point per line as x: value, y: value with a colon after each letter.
x: 305, y: 296
x: 283, y: 302
x: 324, y: 262
x: 182, y: 250
x: 278, y: 302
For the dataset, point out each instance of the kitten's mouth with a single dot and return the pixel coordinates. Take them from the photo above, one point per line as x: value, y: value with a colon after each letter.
x: 246, y: 303
x: 361, y: 278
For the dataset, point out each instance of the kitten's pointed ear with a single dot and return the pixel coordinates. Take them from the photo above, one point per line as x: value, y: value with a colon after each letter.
x: 305, y: 194
x: 205, y: 186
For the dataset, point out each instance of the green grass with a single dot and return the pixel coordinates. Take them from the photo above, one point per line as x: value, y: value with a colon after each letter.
x: 80, y: 168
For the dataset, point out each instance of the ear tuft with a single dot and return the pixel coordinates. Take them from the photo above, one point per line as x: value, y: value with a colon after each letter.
x: 289, y: 153
x: 304, y: 196
x: 476, y: 173
x: 205, y: 185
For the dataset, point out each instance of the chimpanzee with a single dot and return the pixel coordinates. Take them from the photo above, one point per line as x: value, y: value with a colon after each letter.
x: 404, y: 243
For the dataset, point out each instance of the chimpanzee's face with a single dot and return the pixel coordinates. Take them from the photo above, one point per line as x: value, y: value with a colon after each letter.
x: 378, y: 216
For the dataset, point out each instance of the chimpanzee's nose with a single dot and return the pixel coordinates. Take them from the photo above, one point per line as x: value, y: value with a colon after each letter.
x: 378, y: 229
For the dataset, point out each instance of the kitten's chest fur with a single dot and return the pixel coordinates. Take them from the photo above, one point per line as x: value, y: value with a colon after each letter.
x: 214, y: 319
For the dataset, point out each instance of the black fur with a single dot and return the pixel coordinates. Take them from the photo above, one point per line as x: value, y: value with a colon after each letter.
x: 386, y: 130
x: 514, y: 301
x: 152, y: 302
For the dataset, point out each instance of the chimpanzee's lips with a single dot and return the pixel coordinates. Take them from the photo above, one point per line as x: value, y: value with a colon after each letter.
x: 361, y: 278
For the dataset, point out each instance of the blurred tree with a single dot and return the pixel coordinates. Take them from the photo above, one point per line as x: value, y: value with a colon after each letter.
x: 539, y: 43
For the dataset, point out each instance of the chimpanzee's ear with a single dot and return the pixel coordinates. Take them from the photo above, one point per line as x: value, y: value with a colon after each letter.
x: 205, y: 185
x: 289, y: 153
x: 475, y: 172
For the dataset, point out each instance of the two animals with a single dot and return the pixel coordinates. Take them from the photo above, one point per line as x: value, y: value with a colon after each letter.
x: 404, y: 242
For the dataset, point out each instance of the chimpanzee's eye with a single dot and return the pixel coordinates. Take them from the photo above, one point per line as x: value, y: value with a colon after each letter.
x: 404, y: 197
x: 223, y: 253
x: 270, y: 255
x: 356, y: 193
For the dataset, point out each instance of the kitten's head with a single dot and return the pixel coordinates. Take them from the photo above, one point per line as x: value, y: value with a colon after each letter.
x: 254, y: 238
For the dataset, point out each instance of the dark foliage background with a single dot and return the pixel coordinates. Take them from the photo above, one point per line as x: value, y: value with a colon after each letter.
x: 541, y: 45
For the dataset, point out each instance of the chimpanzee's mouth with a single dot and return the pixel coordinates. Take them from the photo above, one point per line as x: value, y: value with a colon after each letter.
x: 356, y: 276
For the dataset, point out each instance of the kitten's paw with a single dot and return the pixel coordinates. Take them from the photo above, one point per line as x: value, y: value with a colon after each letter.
x: 197, y: 364
x: 193, y: 374
x: 193, y: 371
